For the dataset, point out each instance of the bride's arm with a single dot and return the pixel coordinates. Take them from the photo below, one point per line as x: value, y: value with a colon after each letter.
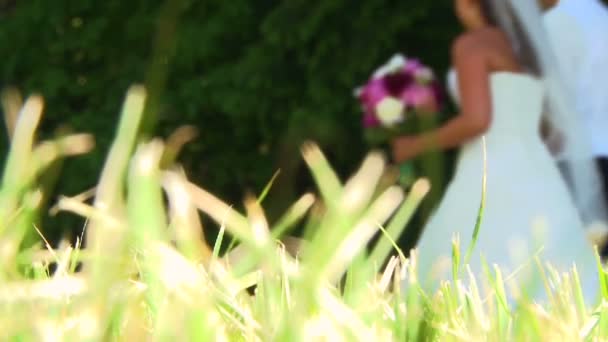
x: 471, y: 63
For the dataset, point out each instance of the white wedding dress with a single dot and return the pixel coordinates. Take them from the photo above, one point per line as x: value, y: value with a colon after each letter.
x: 527, y: 203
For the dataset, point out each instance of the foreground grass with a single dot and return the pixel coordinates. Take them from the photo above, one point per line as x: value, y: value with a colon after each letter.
x: 148, y: 273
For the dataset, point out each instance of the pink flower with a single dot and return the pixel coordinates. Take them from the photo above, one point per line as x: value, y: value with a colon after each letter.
x: 412, y: 66
x: 372, y: 93
x: 418, y: 95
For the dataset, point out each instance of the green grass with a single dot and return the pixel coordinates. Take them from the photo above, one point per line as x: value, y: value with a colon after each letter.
x: 148, y: 273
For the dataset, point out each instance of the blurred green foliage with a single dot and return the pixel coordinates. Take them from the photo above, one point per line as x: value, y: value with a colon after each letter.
x: 256, y: 77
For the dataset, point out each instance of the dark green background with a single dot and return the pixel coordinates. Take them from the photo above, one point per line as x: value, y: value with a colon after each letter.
x: 257, y: 77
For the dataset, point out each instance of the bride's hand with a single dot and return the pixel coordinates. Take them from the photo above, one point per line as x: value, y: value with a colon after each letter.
x: 404, y: 148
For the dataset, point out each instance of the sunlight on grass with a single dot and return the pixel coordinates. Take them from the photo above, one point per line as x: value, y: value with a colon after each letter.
x: 149, y: 274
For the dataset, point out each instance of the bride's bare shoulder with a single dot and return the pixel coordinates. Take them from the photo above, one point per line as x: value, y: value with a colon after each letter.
x: 477, y: 40
x: 484, y: 43
x: 469, y: 45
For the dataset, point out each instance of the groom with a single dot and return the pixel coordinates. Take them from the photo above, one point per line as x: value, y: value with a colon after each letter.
x: 578, y: 31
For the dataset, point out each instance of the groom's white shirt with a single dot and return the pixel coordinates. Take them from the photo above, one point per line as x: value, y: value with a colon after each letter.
x: 578, y: 30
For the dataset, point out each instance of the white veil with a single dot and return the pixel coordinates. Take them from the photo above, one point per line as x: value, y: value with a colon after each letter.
x: 576, y: 158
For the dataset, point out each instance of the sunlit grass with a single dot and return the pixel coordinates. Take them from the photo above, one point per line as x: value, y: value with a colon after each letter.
x: 148, y: 273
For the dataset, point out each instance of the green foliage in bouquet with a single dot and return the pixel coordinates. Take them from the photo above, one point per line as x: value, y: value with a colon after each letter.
x: 430, y: 165
x: 380, y: 138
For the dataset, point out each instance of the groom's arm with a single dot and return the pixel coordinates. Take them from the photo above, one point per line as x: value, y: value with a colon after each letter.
x: 568, y: 44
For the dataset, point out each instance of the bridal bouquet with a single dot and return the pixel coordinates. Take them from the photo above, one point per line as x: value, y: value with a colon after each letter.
x: 394, y: 99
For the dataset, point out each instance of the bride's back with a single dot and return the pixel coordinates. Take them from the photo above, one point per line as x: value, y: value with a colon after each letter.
x: 517, y: 101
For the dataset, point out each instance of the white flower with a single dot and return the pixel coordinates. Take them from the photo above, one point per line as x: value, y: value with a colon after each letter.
x: 398, y: 61
x: 390, y: 111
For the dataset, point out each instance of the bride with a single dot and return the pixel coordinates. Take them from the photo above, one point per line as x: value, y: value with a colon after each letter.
x: 500, y: 83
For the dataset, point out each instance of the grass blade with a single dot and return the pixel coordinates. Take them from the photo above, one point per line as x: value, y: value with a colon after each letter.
x: 398, y: 223
x: 482, y: 205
